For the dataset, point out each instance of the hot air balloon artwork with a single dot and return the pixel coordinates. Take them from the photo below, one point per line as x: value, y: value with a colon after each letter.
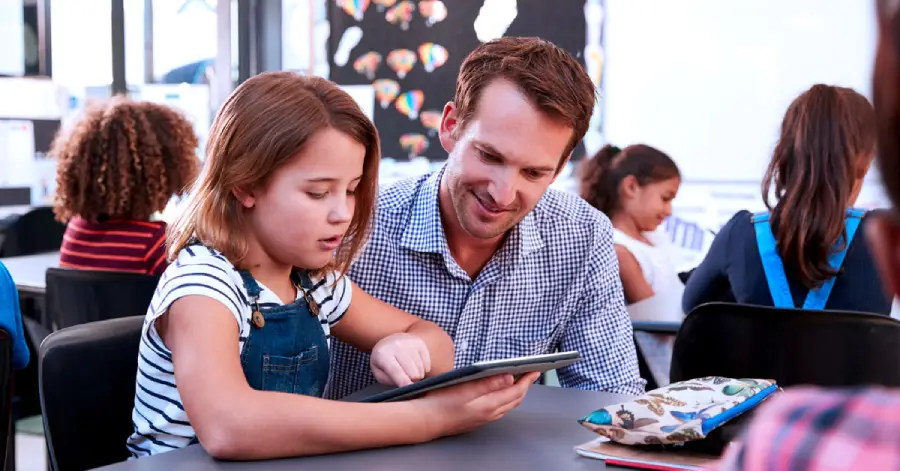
x: 354, y: 8
x: 401, y: 13
x: 367, y: 64
x: 432, y: 56
x: 382, y: 4
x: 415, y: 144
x: 434, y: 11
x: 401, y: 61
x: 385, y: 91
x: 430, y: 119
x: 410, y: 103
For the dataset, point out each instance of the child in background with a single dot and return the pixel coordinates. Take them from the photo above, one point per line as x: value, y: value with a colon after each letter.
x: 804, y: 251
x: 635, y: 187
x: 120, y: 164
x: 234, y: 351
x: 831, y: 429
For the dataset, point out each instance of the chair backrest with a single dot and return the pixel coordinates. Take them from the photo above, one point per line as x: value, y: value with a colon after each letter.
x: 77, y: 296
x: 36, y: 231
x: 87, y: 381
x: 791, y: 346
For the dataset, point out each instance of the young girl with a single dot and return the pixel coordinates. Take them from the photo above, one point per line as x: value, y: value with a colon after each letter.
x: 234, y: 351
x: 120, y: 164
x: 635, y: 187
x: 805, y: 251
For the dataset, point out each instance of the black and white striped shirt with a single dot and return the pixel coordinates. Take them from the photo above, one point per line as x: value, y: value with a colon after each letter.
x: 159, y: 419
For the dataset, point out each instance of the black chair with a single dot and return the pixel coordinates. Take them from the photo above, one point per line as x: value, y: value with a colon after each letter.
x: 78, y: 296
x: 36, y: 231
x: 87, y: 381
x: 791, y: 346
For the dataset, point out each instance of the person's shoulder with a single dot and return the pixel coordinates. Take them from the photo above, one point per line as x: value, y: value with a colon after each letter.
x: 201, y: 259
x: 868, y: 214
x: 399, y: 196
x: 563, y: 211
x: 742, y: 221
x: 158, y: 227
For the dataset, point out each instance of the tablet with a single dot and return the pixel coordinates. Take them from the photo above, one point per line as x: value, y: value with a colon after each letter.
x: 514, y: 366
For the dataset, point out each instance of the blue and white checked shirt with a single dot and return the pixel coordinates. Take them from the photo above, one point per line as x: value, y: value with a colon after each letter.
x: 553, y: 285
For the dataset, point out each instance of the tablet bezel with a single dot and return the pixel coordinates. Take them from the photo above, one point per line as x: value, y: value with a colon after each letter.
x: 515, y: 366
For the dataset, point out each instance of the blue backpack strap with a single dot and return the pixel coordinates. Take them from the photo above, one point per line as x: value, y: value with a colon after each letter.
x: 816, y: 299
x: 773, y: 267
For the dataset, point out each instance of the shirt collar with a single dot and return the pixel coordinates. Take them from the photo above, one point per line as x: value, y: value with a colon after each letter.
x: 425, y: 232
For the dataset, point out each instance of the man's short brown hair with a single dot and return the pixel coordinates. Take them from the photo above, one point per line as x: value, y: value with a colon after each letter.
x: 551, y: 78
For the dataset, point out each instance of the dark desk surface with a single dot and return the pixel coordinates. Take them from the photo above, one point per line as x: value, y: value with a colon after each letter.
x: 540, y: 435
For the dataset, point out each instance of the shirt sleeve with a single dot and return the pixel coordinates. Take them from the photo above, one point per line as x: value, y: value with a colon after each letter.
x: 197, y: 274
x: 600, y: 329
x: 808, y: 428
x: 706, y: 282
x: 332, y: 294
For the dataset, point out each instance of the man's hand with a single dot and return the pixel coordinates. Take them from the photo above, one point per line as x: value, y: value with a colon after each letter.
x: 400, y: 359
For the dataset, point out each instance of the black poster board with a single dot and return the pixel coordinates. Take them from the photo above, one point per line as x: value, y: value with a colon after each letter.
x: 559, y: 21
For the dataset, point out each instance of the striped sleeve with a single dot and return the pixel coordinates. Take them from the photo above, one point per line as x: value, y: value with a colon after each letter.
x: 333, y: 293
x: 156, y: 257
x: 199, y: 272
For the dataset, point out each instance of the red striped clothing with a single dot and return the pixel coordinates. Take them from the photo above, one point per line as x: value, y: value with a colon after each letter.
x: 821, y: 430
x: 115, y: 245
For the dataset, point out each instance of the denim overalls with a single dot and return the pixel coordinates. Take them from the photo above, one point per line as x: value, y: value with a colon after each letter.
x: 287, y: 350
x: 773, y: 267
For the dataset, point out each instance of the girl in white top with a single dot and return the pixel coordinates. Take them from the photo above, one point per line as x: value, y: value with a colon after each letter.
x: 635, y: 187
x: 234, y: 350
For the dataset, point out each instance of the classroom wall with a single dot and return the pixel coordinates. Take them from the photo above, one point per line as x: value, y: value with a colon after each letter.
x: 708, y: 82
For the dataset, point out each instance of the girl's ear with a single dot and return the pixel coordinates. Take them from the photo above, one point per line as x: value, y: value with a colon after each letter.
x: 629, y: 186
x: 244, y: 197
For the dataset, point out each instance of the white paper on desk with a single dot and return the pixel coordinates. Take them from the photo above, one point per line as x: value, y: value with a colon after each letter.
x: 16, y: 153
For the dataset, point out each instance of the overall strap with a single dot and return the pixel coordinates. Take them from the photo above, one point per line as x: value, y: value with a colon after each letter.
x: 817, y: 298
x: 773, y: 267
x: 250, y: 284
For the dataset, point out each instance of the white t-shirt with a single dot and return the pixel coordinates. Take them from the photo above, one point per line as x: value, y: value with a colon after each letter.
x: 656, y: 261
x: 160, y: 421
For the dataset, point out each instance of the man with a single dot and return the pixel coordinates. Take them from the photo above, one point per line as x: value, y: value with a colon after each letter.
x: 836, y: 429
x: 484, y: 249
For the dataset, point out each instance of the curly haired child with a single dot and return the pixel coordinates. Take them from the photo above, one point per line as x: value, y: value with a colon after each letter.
x: 120, y: 164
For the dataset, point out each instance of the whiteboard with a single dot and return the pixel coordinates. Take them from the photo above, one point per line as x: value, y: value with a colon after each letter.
x: 708, y: 81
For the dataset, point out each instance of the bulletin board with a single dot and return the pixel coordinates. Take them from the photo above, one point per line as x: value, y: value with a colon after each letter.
x: 411, y: 52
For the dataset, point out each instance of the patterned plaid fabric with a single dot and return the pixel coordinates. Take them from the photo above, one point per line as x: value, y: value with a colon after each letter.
x: 815, y: 429
x: 553, y: 285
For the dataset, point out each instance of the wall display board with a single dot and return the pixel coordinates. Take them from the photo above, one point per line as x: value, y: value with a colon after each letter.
x: 411, y: 51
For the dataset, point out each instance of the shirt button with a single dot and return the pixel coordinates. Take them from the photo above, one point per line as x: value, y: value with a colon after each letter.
x: 461, y: 346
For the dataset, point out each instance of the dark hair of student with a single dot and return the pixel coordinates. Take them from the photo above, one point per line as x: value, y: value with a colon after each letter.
x: 826, y: 145
x: 602, y: 175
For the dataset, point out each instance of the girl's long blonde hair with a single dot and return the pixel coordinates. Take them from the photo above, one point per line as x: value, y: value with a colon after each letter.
x: 264, y: 123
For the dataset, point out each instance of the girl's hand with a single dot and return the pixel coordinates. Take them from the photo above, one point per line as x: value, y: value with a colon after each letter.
x: 467, y: 406
x: 400, y: 359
